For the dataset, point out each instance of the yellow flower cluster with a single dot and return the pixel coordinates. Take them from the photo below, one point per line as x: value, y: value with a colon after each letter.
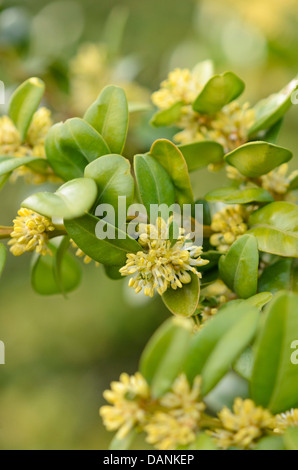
x: 286, y: 420
x: 129, y: 399
x: 277, y: 182
x: 11, y: 144
x: 243, y: 426
x: 161, y: 265
x: 178, y: 423
x: 228, y: 224
x: 229, y: 127
x: 171, y: 421
x: 31, y: 232
x: 181, y: 86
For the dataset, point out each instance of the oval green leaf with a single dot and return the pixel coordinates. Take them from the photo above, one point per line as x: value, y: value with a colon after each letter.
x: 113, y: 178
x: 218, y: 91
x: 109, y: 116
x: 239, y: 268
x: 44, y: 275
x: 170, y: 157
x: 109, y: 251
x: 183, y: 301
x: 164, y: 354
x: 71, y: 200
x: 274, y: 382
x: 255, y: 159
x: 231, y: 195
x: 270, y: 110
x: 9, y: 163
x: 167, y: 117
x: 71, y: 146
x: 283, y: 215
x: 154, y: 183
x: 201, y: 154
x: 24, y: 102
x: 217, y: 346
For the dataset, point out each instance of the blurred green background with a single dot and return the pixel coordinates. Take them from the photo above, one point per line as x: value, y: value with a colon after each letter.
x: 62, y: 353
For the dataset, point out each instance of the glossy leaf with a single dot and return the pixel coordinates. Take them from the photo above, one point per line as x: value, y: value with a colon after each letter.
x: 276, y: 241
x: 71, y: 146
x: 216, y: 347
x: 3, y: 255
x: 164, y: 354
x: 183, y: 301
x: 239, y: 267
x: 71, y: 200
x: 274, y: 382
x: 257, y: 158
x: 170, y: 157
x: 218, y: 91
x: 282, y: 275
x: 43, y: 274
x: 231, y: 195
x: 272, y: 109
x: 24, y: 102
x: 167, y: 117
x: 111, y: 252
x: 113, y: 272
x: 113, y: 178
x: 8, y: 164
x: 283, y: 215
x: 154, y: 183
x: 109, y: 116
x: 201, y: 154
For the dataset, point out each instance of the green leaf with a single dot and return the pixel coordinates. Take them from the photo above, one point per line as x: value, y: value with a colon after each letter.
x: 216, y: 347
x: 271, y: 443
x: 282, y: 275
x: 291, y: 438
x: 170, y: 157
x: 239, y: 268
x: 275, y: 227
x: 201, y: 154
x: 231, y: 195
x: 183, y: 301
x: 111, y: 252
x: 271, y: 135
x: 9, y: 163
x: 113, y: 272
x: 213, y: 257
x: 109, y: 116
x: 113, y: 178
x: 3, y: 255
x: 259, y: 300
x: 71, y: 200
x: 154, y: 183
x: 270, y: 110
x: 163, y: 356
x: 276, y: 241
x: 283, y: 215
x: 43, y: 274
x: 24, y: 102
x: 167, y: 117
x: 244, y: 364
x: 255, y: 159
x: 274, y: 382
x: 71, y: 145
x: 218, y: 91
